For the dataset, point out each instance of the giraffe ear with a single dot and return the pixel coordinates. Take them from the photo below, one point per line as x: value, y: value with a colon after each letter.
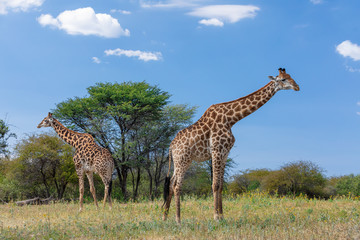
x: 272, y: 78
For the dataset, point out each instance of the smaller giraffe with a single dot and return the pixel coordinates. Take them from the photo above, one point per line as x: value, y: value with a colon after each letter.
x: 89, y: 158
x: 211, y: 138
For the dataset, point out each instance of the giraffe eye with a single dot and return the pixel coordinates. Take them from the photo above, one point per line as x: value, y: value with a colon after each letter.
x: 283, y: 80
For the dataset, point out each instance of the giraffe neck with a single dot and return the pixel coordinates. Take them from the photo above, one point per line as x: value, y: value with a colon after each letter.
x: 66, y: 134
x: 242, y: 107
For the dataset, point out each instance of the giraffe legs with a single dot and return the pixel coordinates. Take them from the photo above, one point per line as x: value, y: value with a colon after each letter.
x: 218, y: 164
x: 92, y: 188
x: 81, y: 190
x: 107, y: 192
x: 168, y: 200
x: 177, y: 191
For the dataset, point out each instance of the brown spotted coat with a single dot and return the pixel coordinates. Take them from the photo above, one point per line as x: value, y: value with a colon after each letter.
x: 89, y: 158
x: 211, y: 138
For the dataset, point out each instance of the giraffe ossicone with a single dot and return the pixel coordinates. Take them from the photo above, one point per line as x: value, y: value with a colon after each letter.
x: 211, y: 138
x: 89, y: 158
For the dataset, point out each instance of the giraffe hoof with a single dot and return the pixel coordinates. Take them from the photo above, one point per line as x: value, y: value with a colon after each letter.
x: 218, y: 217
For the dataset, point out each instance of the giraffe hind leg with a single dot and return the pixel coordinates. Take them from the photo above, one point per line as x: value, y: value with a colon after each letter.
x: 107, y: 192
x: 218, y: 162
x: 168, y: 197
x: 105, y: 173
x: 81, y: 190
x: 92, y: 187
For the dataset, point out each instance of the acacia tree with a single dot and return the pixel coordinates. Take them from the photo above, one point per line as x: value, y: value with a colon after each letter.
x: 111, y: 113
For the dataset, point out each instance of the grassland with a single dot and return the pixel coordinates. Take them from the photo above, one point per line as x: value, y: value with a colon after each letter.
x: 249, y: 216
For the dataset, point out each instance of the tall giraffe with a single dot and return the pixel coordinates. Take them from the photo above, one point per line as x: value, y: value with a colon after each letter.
x: 89, y: 158
x: 211, y: 138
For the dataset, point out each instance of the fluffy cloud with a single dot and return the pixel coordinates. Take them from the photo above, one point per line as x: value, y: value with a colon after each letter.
x: 170, y: 4
x: 84, y: 21
x: 145, y: 56
x: 18, y: 5
x: 316, y: 1
x: 349, y: 49
x: 120, y: 11
x: 212, y: 22
x: 216, y: 15
x: 96, y: 60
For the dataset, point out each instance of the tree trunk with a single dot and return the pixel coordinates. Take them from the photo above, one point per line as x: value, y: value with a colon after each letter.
x: 150, y: 184
x: 62, y: 191
x: 124, y: 169
x: 137, y: 183
x: 124, y: 174
x: 45, y: 182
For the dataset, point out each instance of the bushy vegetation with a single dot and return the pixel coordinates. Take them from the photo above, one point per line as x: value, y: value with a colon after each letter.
x: 293, y: 178
x: 136, y: 123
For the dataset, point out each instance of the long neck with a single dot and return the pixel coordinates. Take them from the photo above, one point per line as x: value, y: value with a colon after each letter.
x: 242, y: 107
x: 66, y: 134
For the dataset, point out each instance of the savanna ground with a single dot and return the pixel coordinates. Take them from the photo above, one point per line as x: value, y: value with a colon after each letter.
x: 248, y: 216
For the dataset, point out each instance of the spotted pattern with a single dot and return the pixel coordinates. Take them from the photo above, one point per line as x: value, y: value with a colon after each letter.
x: 211, y: 138
x: 89, y: 158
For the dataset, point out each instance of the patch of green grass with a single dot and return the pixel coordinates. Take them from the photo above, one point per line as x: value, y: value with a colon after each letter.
x: 247, y: 216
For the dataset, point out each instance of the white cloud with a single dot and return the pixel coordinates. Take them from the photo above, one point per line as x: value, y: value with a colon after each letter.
x: 170, y: 4
x: 212, y: 22
x: 18, y: 5
x: 120, y: 11
x: 145, y: 56
x: 316, y: 1
x: 224, y: 13
x: 352, y: 69
x: 84, y: 21
x: 96, y: 60
x: 349, y: 49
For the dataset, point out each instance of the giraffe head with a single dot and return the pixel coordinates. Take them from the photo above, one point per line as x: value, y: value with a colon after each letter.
x: 284, y: 81
x: 47, y: 121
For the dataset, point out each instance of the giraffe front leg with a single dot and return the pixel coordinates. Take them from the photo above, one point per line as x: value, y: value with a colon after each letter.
x: 92, y: 188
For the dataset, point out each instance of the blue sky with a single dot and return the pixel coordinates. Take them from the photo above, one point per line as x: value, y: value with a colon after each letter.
x: 202, y: 52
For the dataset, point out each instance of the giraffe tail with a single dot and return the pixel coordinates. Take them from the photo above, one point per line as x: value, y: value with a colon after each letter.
x: 110, y: 188
x: 167, y: 179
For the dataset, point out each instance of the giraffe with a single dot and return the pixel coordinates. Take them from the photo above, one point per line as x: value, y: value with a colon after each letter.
x: 89, y: 158
x: 211, y: 138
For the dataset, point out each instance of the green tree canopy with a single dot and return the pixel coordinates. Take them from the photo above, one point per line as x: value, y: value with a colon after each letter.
x: 118, y: 115
x: 4, y: 137
x: 44, y: 165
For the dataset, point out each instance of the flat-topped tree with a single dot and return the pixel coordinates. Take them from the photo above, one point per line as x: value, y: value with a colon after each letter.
x: 111, y: 112
x: 211, y: 138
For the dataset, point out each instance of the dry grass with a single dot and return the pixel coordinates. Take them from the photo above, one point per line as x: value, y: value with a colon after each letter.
x: 250, y: 216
